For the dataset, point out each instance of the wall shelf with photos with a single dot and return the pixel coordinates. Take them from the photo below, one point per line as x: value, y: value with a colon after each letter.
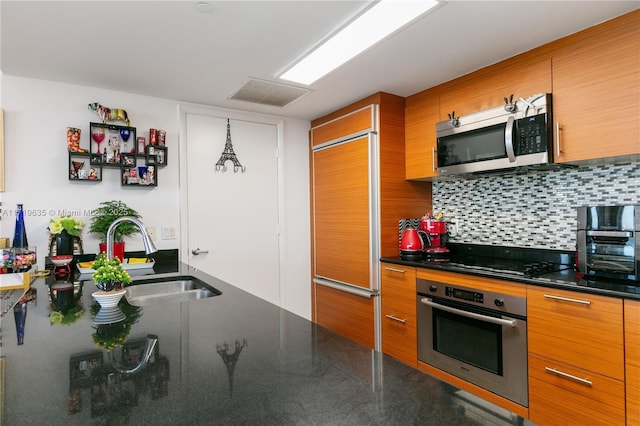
x: 136, y: 172
x: 117, y: 147
x: 81, y: 167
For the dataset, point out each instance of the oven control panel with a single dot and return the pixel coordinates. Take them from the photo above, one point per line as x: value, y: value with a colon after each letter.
x: 499, y: 302
x: 468, y: 295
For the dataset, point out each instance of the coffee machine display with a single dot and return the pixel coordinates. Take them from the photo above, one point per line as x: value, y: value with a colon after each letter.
x: 435, y: 233
x: 608, y: 243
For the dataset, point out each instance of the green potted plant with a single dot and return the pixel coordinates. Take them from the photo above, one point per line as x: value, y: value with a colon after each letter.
x: 103, y: 217
x: 110, y: 277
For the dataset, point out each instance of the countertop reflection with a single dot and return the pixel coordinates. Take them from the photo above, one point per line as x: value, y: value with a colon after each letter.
x: 230, y: 359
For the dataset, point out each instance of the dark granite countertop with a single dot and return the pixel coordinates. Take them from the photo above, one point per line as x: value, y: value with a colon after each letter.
x: 566, y: 279
x: 230, y: 359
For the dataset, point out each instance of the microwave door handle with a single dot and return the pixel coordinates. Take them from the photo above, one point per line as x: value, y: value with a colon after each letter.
x: 485, y: 318
x: 508, y: 139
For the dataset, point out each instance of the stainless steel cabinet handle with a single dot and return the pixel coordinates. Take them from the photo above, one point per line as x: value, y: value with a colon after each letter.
x: 623, y: 234
x: 567, y: 299
x: 500, y: 321
x: 557, y: 139
x: 396, y: 318
x: 196, y: 251
x: 569, y: 376
x: 433, y: 158
x: 402, y: 271
x: 351, y: 289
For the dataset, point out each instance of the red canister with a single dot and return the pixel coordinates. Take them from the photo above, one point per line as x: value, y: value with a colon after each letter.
x: 153, y: 137
x: 162, y: 136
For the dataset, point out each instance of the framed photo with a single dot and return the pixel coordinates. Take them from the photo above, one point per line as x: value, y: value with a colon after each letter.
x: 128, y: 160
x: 82, y: 367
x: 157, y: 154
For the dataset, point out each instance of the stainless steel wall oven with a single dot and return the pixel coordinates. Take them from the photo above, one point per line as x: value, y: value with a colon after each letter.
x: 478, y: 336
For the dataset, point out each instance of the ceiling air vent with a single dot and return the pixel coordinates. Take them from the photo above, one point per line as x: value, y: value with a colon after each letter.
x: 268, y: 93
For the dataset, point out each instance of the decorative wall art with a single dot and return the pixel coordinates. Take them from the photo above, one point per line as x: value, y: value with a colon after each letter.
x: 110, y: 114
x: 229, y: 154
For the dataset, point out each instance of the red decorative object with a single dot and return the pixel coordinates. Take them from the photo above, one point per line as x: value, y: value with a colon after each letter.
x: 118, y: 249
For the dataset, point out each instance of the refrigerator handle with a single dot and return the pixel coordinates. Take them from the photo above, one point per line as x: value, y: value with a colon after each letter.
x: 346, y: 288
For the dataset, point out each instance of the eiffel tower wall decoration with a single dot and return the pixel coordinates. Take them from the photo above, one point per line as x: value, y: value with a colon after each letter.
x: 228, y: 154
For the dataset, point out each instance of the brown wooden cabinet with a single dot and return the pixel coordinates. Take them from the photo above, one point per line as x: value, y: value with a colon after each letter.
x: 422, y: 112
x: 358, y: 195
x: 576, y: 358
x: 399, y: 335
x: 594, y: 79
x: 596, y: 91
x: 520, y: 76
x: 632, y: 360
x: 558, y: 400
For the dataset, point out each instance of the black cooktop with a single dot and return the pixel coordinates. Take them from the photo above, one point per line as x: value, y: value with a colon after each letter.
x: 545, y: 267
x: 509, y: 266
x: 503, y: 260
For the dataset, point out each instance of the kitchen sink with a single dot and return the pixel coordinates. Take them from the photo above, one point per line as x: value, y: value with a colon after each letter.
x: 173, y: 289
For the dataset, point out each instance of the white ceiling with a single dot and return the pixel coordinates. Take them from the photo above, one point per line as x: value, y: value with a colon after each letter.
x: 170, y: 50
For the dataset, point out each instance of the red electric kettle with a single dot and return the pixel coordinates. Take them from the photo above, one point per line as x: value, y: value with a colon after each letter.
x: 411, y: 241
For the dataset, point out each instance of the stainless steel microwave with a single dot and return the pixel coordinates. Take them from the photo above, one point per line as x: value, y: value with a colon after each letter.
x: 516, y: 134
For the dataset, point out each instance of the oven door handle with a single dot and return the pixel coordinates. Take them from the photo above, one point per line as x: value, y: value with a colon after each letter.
x: 485, y: 318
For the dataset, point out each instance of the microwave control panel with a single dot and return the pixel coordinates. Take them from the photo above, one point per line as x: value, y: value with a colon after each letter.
x: 532, y: 134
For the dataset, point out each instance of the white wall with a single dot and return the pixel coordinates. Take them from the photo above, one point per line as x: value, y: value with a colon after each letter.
x: 37, y: 113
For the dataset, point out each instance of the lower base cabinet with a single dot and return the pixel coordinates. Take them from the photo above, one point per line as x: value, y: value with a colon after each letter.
x: 576, y: 358
x: 560, y: 394
x: 632, y: 359
x: 347, y: 314
x: 399, y: 335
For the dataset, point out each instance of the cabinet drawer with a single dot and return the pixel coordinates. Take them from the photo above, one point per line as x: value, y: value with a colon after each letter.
x: 556, y: 399
x: 398, y: 289
x: 399, y: 338
x: 632, y: 359
x: 578, y: 329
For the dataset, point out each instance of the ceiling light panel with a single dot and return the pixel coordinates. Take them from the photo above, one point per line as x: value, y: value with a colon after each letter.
x: 376, y: 23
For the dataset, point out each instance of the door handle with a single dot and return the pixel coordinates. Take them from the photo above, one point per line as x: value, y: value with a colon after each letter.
x: 196, y: 251
x: 500, y: 321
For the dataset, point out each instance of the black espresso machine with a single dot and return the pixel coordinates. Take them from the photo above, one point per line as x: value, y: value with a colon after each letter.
x: 608, y: 242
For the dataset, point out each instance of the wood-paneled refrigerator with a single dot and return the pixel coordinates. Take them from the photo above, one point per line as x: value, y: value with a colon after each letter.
x: 358, y: 195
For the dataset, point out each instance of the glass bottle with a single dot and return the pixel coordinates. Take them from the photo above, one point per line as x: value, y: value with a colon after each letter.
x: 20, y: 233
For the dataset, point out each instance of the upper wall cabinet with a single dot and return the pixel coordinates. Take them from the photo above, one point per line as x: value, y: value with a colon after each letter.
x: 422, y: 111
x: 596, y: 91
x: 350, y: 124
x: 594, y: 79
x: 520, y: 76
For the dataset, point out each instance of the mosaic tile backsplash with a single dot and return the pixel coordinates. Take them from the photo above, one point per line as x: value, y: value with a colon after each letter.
x: 537, y: 209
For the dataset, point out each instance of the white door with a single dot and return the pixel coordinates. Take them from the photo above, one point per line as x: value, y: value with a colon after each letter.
x: 233, y: 216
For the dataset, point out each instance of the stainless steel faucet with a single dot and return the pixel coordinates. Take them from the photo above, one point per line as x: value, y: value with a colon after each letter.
x: 149, y: 247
